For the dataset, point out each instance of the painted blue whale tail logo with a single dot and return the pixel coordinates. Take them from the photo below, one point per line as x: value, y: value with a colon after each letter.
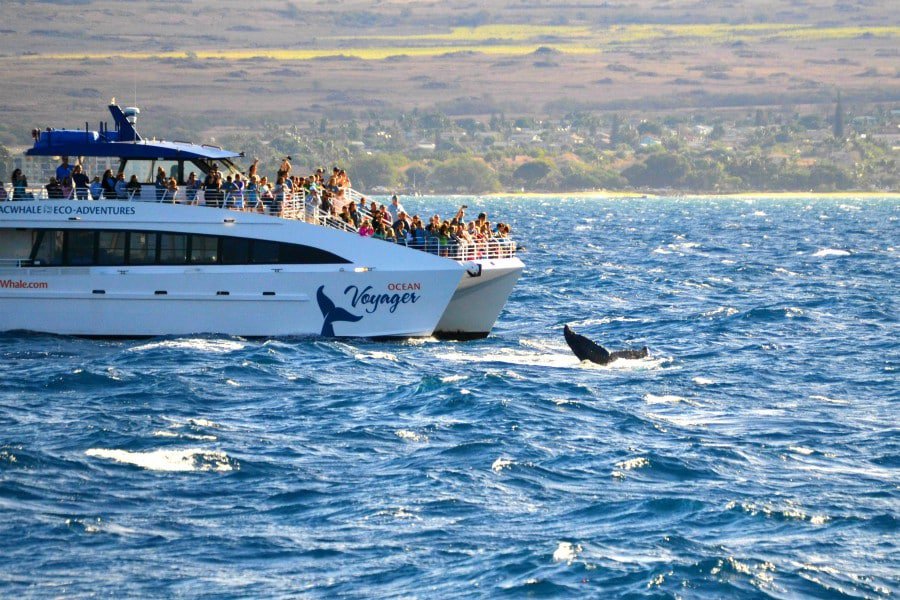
x: 332, y: 313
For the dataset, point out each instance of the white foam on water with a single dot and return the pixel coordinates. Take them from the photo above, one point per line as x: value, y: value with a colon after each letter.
x: 377, y: 355
x: 784, y: 271
x: 232, y: 382
x: 421, y: 341
x: 829, y: 400
x: 517, y: 357
x: 98, y: 525
x: 791, y: 312
x: 500, y: 464
x: 566, y: 552
x: 563, y: 401
x: 726, y: 311
x: 552, y: 359
x: 603, y: 321
x: 411, y: 436
x: 667, y: 399
x: 801, y: 450
x: 453, y: 378
x: 203, y: 423
x: 202, y: 345
x: 662, y: 251
x: 185, y: 436
x: 633, y: 463
x: 852, y: 471
x: 690, y: 421
x: 759, y: 213
x: 630, y: 364
x: 183, y: 460
x: 398, y: 513
x: 790, y: 510
x: 703, y: 381
x: 824, y: 252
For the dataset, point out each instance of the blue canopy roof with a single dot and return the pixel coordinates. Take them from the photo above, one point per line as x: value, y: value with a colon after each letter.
x: 123, y: 142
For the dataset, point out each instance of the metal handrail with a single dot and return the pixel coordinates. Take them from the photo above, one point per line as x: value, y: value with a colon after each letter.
x: 301, y: 206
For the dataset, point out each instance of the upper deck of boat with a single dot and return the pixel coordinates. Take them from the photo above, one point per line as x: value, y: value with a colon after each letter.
x: 300, y: 205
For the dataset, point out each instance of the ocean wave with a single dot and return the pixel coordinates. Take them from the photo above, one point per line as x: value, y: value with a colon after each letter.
x: 201, y: 345
x: 186, y: 459
x: 826, y: 252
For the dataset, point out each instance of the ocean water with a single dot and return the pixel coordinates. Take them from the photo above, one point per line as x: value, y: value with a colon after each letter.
x: 755, y: 453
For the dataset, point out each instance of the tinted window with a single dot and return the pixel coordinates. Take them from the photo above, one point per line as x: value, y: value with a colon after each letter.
x: 49, y: 248
x: 80, y: 248
x: 235, y: 251
x: 306, y: 255
x: 264, y: 253
x: 172, y: 249
x: 111, y: 248
x: 204, y: 249
x: 108, y: 247
x: 142, y: 248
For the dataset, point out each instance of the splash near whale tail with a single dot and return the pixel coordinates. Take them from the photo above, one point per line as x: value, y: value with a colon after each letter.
x: 332, y: 313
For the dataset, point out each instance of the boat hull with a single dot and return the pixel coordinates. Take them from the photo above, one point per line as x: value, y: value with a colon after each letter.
x: 139, y: 302
x: 479, y: 298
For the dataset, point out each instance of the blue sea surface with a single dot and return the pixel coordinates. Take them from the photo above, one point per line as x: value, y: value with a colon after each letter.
x: 755, y: 453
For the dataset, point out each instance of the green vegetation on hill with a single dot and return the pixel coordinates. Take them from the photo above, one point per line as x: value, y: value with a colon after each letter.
x: 430, y: 152
x: 754, y: 151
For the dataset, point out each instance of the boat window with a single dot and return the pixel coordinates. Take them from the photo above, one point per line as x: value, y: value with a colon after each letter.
x: 48, y: 248
x: 142, y: 248
x: 169, y: 167
x: 204, y: 249
x: 80, y: 247
x: 296, y: 254
x: 235, y: 250
x: 172, y: 249
x: 142, y: 168
x: 111, y: 248
x: 264, y: 253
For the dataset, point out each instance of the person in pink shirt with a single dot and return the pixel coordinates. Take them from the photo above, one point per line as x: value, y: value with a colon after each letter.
x: 366, y: 229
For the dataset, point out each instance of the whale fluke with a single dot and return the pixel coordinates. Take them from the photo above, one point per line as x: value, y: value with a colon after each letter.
x: 585, y: 349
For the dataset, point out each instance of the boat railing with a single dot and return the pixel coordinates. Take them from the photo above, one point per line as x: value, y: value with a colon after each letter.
x: 16, y: 262
x: 300, y: 206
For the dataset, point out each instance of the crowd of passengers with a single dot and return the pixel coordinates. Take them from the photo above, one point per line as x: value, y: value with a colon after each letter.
x: 251, y: 192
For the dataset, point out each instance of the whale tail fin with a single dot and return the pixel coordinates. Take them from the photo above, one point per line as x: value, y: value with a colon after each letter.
x: 585, y: 349
x: 632, y: 354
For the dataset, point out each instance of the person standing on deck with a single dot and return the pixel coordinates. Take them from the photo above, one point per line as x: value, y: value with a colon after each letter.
x: 64, y: 170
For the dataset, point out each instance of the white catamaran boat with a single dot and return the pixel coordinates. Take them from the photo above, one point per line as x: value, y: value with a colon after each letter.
x: 148, y: 264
